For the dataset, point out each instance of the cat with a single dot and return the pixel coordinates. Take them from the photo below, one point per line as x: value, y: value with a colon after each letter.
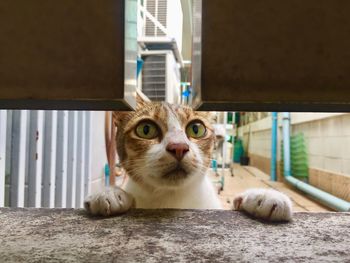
x: 165, y: 149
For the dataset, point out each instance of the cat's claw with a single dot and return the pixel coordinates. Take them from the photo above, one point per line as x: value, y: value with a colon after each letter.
x: 265, y: 204
x: 112, y: 201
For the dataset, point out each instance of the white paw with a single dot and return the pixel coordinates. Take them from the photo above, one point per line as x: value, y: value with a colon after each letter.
x: 266, y: 204
x: 112, y: 201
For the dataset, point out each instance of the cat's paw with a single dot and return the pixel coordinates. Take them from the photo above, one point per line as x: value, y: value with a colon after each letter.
x: 112, y: 201
x: 266, y: 204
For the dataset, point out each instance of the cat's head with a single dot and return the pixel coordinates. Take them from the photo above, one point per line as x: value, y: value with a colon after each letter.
x: 164, y: 145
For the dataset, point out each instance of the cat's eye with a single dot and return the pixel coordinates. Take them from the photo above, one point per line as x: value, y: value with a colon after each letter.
x: 196, y: 129
x: 147, y: 130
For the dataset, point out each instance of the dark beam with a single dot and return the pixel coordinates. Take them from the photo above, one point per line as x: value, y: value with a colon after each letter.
x: 272, y: 55
x: 76, y: 52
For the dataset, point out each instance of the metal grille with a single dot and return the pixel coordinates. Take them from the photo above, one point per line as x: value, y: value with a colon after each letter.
x: 150, y: 27
x: 158, y: 9
x: 162, y: 15
x: 154, y: 77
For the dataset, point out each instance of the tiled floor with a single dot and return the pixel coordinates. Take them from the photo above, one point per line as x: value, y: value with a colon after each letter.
x: 245, y: 177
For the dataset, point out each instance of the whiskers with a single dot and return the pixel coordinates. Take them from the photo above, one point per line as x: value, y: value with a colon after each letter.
x: 163, y: 172
x: 149, y: 164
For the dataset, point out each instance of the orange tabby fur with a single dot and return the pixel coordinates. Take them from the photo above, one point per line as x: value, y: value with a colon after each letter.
x: 133, y: 151
x: 169, y: 169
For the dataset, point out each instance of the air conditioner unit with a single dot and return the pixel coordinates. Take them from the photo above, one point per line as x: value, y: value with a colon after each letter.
x: 162, y: 19
x: 160, y: 79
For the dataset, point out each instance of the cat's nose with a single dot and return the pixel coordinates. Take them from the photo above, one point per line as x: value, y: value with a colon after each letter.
x: 178, y: 150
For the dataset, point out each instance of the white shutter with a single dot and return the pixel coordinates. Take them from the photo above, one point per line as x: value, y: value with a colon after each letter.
x: 158, y: 9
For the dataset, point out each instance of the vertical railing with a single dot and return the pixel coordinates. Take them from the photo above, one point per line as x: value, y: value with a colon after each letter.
x: 19, y: 157
x: 35, y: 157
x: 62, y: 160
x: 224, y: 146
x: 49, y: 159
x: 3, y: 122
x: 72, y: 157
x: 88, y: 146
x: 80, y: 160
x: 45, y: 158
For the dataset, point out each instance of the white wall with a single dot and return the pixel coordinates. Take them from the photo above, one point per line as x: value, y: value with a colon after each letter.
x: 260, y: 143
x: 328, y: 143
x: 327, y: 136
x: 175, y: 21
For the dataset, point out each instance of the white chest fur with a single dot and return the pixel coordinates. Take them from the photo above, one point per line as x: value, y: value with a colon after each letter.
x: 200, y: 194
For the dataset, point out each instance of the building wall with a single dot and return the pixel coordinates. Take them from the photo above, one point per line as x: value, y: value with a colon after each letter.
x: 328, y: 142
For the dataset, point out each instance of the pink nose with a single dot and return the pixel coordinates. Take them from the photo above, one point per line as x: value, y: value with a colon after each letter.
x: 178, y: 150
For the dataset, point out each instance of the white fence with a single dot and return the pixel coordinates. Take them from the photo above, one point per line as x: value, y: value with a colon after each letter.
x: 45, y: 158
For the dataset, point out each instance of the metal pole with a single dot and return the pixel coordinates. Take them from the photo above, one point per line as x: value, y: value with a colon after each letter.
x: 274, y: 145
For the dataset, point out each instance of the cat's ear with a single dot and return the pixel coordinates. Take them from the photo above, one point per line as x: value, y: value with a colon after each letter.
x: 118, y: 117
x: 211, y: 117
x: 141, y: 100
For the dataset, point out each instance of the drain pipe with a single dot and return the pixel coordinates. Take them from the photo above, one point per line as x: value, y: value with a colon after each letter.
x: 323, y: 197
x: 274, y: 146
x: 286, y: 144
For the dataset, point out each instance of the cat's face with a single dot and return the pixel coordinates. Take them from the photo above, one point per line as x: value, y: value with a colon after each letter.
x: 164, y: 145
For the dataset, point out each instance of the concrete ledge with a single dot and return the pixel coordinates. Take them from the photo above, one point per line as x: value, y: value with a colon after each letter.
x: 56, y: 235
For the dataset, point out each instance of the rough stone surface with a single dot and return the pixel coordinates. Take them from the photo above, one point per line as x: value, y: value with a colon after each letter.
x: 67, y: 235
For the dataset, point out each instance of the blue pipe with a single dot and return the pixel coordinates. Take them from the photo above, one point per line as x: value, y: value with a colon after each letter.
x: 274, y: 146
x: 286, y: 144
x: 107, y: 173
x: 323, y: 197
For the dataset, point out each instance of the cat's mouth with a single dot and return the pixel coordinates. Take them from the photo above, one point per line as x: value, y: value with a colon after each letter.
x: 176, y: 174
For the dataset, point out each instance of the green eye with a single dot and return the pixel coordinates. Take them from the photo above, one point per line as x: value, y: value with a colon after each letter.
x: 196, y: 130
x: 147, y: 130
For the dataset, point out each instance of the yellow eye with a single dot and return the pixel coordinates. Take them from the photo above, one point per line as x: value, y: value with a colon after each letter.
x: 147, y: 130
x: 196, y: 129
